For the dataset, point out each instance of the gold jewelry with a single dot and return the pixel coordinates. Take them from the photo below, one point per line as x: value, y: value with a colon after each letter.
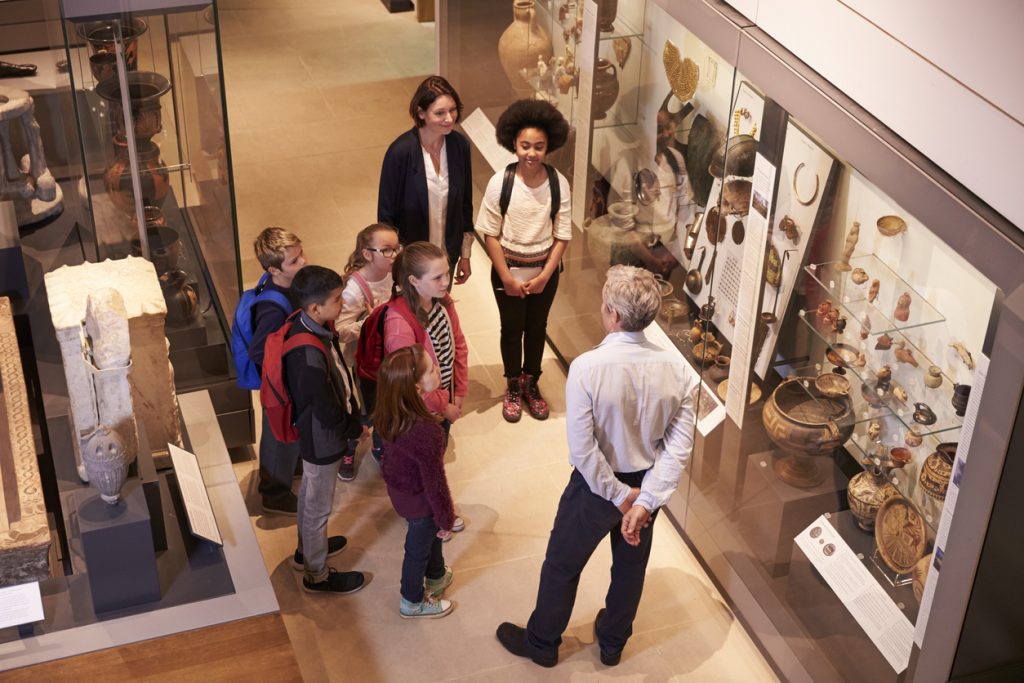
x: 683, y: 74
x: 796, y: 193
x: 744, y: 113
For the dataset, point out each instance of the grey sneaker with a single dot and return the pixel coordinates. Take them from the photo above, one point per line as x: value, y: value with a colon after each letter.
x: 429, y: 608
x: 433, y: 588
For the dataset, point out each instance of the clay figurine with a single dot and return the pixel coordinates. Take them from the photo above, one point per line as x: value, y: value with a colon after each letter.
x: 883, y: 377
x: 839, y: 324
x: 964, y: 354
x: 884, y: 343
x: 873, y: 291
x: 859, y: 276
x: 849, y: 246
x: 902, y: 312
x: 903, y: 354
x: 899, y: 392
x: 865, y: 326
x: 874, y: 429
x: 823, y: 309
x: 861, y: 360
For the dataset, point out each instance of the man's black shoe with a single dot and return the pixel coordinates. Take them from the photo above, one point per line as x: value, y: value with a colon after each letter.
x: 513, y: 638
x: 336, y: 583
x: 607, y: 658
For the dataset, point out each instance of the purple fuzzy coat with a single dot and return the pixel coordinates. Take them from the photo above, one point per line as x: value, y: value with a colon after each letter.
x: 413, y: 469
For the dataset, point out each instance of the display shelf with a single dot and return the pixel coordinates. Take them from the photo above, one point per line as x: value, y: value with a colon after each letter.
x: 853, y: 297
x: 864, y: 380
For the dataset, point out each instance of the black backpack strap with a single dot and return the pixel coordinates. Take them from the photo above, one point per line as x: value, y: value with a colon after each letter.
x: 556, y: 192
x: 672, y: 162
x: 506, y: 187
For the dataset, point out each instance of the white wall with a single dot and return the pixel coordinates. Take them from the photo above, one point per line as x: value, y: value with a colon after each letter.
x: 945, y: 75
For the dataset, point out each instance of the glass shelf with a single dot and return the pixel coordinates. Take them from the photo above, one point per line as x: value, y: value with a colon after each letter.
x: 853, y: 297
x: 864, y: 380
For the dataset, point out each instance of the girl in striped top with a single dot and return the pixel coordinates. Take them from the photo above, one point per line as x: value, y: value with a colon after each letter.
x: 424, y: 314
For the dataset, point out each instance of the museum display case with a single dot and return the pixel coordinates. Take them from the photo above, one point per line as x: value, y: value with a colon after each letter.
x: 844, y: 301
x: 119, y: 255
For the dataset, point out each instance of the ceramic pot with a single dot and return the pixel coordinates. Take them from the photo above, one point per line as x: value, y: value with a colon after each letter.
x: 937, y: 468
x: 606, y: 11
x: 933, y: 377
x: 103, y: 65
x: 606, y: 87
x: 145, y: 88
x: 805, y: 424
x: 920, y: 575
x: 106, y: 462
x: 100, y: 36
x: 623, y: 215
x: 707, y: 352
x: 164, y: 245
x: 181, y: 296
x: 866, y: 493
x: 520, y: 46
x: 961, y: 392
x: 152, y: 174
x: 720, y: 370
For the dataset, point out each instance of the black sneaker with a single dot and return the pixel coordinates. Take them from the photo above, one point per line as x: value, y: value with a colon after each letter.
x: 607, y: 658
x: 347, y: 471
x: 336, y: 582
x: 513, y: 638
x: 285, y: 503
x: 335, y: 544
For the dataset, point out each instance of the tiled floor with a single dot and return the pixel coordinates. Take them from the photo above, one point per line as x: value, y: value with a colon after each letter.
x: 315, y: 94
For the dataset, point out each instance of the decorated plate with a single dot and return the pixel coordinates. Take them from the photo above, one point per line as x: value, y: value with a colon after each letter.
x: 900, y: 534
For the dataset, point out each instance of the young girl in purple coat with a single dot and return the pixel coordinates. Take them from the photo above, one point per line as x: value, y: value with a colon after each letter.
x: 413, y: 469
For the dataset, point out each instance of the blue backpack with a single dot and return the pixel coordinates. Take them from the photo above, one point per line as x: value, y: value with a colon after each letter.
x: 241, y: 329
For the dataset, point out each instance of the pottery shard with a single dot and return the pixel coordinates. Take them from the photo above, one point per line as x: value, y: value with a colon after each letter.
x: 152, y: 378
x: 24, y: 532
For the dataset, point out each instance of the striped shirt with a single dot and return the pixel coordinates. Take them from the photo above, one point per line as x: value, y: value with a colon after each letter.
x: 439, y: 329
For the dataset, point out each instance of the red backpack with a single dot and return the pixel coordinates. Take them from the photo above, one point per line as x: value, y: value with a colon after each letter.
x: 277, y: 402
x: 370, y: 348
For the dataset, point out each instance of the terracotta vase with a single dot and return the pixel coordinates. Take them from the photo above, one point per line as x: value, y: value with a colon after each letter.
x: 152, y: 174
x: 937, y: 468
x: 606, y: 87
x: 606, y: 11
x: 106, y: 462
x: 805, y: 424
x: 520, y: 46
x: 145, y: 88
x: 720, y: 370
x: 100, y: 36
x: 181, y: 296
x: 866, y: 493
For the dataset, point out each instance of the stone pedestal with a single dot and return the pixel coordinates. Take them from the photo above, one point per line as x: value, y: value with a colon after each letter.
x: 27, y: 181
x: 117, y: 542
x: 24, y: 532
x: 151, y: 375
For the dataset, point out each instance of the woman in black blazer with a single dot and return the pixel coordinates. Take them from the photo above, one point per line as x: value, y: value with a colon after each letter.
x: 426, y: 184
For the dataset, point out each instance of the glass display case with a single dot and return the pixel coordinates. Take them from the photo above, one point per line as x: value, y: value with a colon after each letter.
x: 842, y: 319
x: 131, y: 110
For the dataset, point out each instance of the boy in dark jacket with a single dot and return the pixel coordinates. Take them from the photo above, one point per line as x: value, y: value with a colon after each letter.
x: 327, y: 417
x: 280, y: 254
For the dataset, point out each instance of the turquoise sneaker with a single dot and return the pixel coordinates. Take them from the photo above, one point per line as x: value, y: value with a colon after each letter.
x: 434, y: 588
x: 430, y: 608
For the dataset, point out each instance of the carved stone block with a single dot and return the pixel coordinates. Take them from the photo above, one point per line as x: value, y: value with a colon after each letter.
x: 24, y: 532
x: 151, y: 375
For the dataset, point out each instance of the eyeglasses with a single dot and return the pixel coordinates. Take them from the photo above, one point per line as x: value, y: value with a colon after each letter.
x: 387, y: 252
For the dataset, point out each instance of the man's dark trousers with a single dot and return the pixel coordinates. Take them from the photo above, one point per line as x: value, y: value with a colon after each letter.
x: 582, y: 521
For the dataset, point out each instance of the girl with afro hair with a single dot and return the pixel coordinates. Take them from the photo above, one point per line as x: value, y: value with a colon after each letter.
x: 526, y: 246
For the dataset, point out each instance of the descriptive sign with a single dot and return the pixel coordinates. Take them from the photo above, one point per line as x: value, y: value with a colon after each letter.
x: 751, y: 274
x: 952, y: 493
x: 872, y: 608
x: 201, y: 519
x: 21, y: 604
x: 480, y: 130
x: 586, y: 54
